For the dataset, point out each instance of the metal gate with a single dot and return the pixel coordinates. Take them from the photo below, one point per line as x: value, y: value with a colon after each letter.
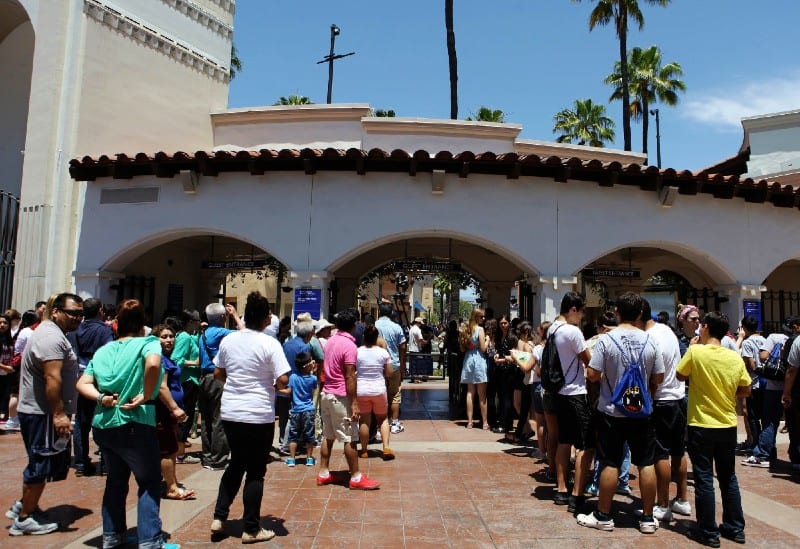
x: 141, y: 288
x: 776, y: 306
x: 705, y: 299
x: 9, y: 216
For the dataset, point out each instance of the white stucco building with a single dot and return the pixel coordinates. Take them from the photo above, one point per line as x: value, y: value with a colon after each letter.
x: 171, y: 192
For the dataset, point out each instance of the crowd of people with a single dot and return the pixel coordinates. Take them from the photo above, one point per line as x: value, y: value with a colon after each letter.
x: 634, y: 392
x: 78, y: 370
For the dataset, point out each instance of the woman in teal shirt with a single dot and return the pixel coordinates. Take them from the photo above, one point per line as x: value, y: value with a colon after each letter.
x: 124, y: 378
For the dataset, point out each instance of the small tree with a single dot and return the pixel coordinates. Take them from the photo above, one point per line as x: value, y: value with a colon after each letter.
x: 385, y: 113
x: 236, y: 63
x: 586, y: 123
x: 294, y: 100
x: 487, y: 114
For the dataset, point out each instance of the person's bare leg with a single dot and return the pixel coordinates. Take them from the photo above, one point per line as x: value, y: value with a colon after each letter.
x: 292, y: 449
x: 386, y: 432
x: 583, y: 461
x: 13, y: 401
x: 647, y: 486
x: 608, y: 485
x: 552, y: 441
x: 483, y: 403
x: 470, y: 404
x: 395, y: 411
x: 31, y: 494
x: 309, y: 450
x: 663, y: 473
x: 562, y: 466
x: 680, y: 473
x: 540, y: 436
x: 351, y: 455
x: 325, y: 456
x: 363, y: 430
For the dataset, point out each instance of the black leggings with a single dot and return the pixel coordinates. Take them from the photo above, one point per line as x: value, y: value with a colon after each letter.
x: 524, y: 409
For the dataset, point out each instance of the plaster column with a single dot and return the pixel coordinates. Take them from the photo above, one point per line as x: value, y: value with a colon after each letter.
x: 737, y: 294
x: 315, y: 280
x: 97, y: 284
x: 498, y: 295
x: 549, y: 291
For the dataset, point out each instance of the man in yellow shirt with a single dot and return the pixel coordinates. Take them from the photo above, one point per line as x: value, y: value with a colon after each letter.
x: 718, y: 376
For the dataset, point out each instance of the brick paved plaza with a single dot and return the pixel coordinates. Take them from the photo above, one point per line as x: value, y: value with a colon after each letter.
x: 449, y: 487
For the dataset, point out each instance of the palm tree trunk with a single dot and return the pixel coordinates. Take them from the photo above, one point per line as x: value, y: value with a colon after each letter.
x: 645, y: 121
x: 451, y: 58
x: 622, y: 32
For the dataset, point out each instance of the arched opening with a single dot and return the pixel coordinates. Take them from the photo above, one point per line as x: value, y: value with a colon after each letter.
x: 782, y: 296
x: 192, y: 271
x: 16, y: 66
x: 434, y: 267
x: 664, y: 277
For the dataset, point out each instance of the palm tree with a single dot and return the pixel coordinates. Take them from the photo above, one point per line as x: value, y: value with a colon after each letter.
x: 236, y: 63
x: 294, y: 100
x: 649, y: 82
x: 586, y: 124
x: 487, y: 114
x: 452, y: 59
x: 619, y: 11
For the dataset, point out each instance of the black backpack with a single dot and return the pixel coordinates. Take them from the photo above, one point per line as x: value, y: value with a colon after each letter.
x: 552, y: 374
x: 774, y: 367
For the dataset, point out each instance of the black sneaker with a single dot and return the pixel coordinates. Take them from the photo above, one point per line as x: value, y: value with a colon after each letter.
x: 575, y: 503
x: 698, y: 537
x: 736, y: 537
x: 561, y: 498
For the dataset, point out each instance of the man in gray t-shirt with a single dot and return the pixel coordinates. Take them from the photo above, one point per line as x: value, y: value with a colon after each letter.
x: 48, y: 374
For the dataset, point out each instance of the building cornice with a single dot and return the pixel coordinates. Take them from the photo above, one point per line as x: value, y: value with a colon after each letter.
x: 227, y: 5
x: 775, y: 121
x: 450, y: 128
x: 353, y: 112
x: 159, y: 42
x: 203, y: 17
x: 549, y: 148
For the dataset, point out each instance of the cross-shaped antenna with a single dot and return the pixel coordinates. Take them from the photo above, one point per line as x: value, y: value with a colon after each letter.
x: 330, y: 58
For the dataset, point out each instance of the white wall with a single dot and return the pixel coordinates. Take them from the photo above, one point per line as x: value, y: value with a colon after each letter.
x: 16, y: 64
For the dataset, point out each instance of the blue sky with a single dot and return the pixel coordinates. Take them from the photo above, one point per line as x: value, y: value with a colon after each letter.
x: 529, y: 58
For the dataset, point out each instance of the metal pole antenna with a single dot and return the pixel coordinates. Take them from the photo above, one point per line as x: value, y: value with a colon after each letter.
x: 330, y: 58
x: 658, y: 137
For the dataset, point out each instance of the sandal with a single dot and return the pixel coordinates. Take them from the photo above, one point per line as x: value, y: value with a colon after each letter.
x: 181, y: 494
x: 388, y: 454
x: 469, y: 425
x: 485, y: 426
x: 364, y: 454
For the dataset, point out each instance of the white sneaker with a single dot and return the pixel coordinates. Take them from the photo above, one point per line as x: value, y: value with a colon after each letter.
x: 649, y: 526
x: 14, y: 511
x: 397, y: 428
x: 681, y: 507
x: 662, y: 514
x: 753, y: 461
x: 30, y: 526
x: 12, y: 424
x: 217, y: 526
x: 591, y: 521
x: 262, y: 535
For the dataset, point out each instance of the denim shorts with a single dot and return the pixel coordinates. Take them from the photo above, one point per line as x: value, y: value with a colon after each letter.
x: 301, y: 427
x: 38, y: 434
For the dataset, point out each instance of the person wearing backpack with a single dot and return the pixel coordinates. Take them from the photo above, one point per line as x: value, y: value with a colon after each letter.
x: 629, y: 366
x: 564, y: 376
x: 752, y: 343
x: 718, y: 376
x: 773, y: 359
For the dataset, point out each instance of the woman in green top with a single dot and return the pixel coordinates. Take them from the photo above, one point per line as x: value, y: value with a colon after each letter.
x: 124, y: 377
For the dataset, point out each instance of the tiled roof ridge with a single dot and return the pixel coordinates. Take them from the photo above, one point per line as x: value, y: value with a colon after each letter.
x: 464, y: 163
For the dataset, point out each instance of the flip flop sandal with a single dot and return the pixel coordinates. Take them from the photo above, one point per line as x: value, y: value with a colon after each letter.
x: 182, y: 494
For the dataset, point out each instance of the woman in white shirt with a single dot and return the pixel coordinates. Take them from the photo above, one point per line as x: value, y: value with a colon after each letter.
x: 373, y: 366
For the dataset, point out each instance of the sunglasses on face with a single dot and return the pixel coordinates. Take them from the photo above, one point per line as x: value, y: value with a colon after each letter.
x: 74, y: 313
x: 694, y: 319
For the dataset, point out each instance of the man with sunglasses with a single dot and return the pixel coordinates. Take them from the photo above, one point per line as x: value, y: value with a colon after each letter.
x: 47, y: 398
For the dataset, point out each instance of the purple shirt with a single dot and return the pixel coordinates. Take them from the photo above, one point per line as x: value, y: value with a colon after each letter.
x: 340, y: 350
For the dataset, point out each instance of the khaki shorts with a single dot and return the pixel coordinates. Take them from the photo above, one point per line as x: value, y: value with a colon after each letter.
x: 393, y: 392
x: 336, y: 412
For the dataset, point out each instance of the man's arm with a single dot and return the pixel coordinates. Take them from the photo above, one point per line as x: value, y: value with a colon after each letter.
x: 592, y: 375
x: 585, y: 356
x: 231, y: 310
x: 52, y: 390
x: 655, y: 381
x: 788, y: 382
x: 743, y: 391
x: 221, y: 375
x: 351, y: 388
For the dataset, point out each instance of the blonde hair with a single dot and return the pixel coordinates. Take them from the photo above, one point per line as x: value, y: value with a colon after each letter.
x: 466, y: 333
x: 48, y: 309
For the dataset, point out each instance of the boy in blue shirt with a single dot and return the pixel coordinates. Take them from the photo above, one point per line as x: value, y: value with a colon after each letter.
x: 301, y: 419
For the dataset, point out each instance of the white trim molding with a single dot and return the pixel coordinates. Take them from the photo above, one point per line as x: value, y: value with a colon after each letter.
x: 196, y: 13
x: 166, y: 45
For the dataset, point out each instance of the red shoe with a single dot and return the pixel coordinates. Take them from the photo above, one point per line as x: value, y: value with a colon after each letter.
x: 364, y: 484
x: 322, y: 481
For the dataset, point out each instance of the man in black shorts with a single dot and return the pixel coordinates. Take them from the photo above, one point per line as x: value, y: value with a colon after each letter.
x: 572, y: 408
x: 615, y: 352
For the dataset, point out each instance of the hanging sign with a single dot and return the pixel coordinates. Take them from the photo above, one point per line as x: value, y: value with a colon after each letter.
x: 308, y: 300
x: 235, y: 264
x: 425, y: 266
x: 753, y: 308
x: 612, y: 273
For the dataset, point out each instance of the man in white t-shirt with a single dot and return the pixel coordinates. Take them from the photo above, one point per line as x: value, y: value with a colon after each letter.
x: 669, y: 420
x: 752, y: 405
x: 616, y: 352
x: 572, y: 406
x: 415, y: 336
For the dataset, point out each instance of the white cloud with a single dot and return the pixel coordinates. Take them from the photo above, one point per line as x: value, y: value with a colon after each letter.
x: 724, y: 108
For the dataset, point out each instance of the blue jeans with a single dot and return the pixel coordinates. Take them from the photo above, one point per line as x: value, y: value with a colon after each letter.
x: 770, y: 419
x: 624, y: 470
x: 80, y: 435
x: 132, y: 447
x: 709, y: 449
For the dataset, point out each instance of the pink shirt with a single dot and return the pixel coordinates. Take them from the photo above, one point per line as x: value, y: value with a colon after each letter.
x: 340, y: 350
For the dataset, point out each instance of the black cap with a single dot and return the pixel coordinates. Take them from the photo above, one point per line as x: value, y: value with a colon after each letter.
x: 302, y: 359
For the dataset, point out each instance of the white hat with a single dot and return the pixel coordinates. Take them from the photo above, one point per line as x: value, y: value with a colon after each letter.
x: 323, y: 323
x: 419, y: 320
